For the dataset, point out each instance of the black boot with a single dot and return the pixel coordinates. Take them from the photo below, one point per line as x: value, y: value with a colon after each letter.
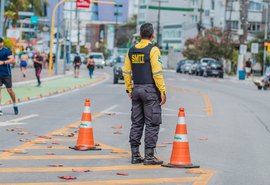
x: 136, y: 156
x: 150, y: 159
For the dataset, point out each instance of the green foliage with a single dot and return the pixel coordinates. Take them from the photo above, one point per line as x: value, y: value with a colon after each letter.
x: 215, y: 43
x: 9, y: 44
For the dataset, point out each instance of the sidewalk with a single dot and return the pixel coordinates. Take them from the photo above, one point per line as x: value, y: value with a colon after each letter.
x: 25, y: 88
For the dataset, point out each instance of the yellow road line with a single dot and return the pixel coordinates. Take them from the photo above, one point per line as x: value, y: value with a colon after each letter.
x: 69, y: 169
x: 48, y: 157
x: 27, y: 145
x: 116, y: 182
x: 204, y: 178
x: 208, y: 105
x: 58, y: 147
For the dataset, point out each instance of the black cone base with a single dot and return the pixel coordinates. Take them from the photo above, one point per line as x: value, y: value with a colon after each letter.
x: 83, y: 148
x: 180, y: 166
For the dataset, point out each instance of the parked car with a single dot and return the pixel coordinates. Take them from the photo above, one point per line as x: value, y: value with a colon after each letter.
x: 110, y: 61
x: 179, y: 64
x: 214, y: 68
x: 99, y: 59
x: 118, y: 72
x: 202, y: 65
x: 192, y: 70
x: 187, y: 66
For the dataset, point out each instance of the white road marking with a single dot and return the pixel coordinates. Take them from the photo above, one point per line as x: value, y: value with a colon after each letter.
x: 16, y: 121
x: 109, y: 109
x: 24, y: 118
x: 4, y: 124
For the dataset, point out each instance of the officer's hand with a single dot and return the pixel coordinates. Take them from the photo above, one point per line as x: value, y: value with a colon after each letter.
x: 163, y: 100
x: 129, y: 95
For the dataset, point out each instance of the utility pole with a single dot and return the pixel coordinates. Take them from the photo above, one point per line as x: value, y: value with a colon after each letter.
x: 57, y: 43
x: 78, y: 33
x: 200, y: 26
x: 158, y: 22
x: 243, y: 20
x: 70, y: 35
x: 2, y: 17
x: 116, y: 25
x: 265, y: 35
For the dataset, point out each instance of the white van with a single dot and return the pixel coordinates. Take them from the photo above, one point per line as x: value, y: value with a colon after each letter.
x: 99, y: 59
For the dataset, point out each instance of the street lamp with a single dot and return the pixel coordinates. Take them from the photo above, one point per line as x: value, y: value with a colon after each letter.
x: 2, y: 18
x: 265, y: 34
x: 158, y: 22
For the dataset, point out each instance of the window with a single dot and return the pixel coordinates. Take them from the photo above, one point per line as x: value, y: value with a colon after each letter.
x: 194, y: 19
x: 142, y: 16
x: 194, y: 3
x: 232, y: 25
x: 255, y: 6
x: 254, y: 26
x: 142, y: 2
x: 213, y: 5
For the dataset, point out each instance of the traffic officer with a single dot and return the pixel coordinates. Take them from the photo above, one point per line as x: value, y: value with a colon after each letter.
x: 143, y: 65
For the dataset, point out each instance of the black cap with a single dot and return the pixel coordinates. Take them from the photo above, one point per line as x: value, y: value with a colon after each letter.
x: 1, y: 40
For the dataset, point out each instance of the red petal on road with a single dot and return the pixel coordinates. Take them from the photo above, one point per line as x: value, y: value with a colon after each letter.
x: 55, y: 143
x: 117, y: 126
x: 204, y: 139
x: 81, y: 170
x: 111, y: 113
x: 45, y: 137
x: 49, y: 146
x: 23, y: 133
x: 122, y: 173
x: 67, y: 177
x: 50, y: 153
x: 70, y: 134
x: 160, y: 146
x: 25, y: 140
x: 167, y: 143
x: 10, y: 129
x: 118, y: 132
x: 56, y: 165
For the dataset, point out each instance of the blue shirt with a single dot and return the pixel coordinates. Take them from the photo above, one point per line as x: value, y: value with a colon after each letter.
x: 5, y: 70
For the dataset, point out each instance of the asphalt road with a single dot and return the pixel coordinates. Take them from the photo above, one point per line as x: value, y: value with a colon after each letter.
x: 228, y: 132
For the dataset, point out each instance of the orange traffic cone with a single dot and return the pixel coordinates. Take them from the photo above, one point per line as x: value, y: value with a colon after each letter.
x: 180, y: 157
x: 85, y: 138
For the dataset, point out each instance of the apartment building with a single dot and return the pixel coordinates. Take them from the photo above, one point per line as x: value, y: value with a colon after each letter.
x: 176, y: 19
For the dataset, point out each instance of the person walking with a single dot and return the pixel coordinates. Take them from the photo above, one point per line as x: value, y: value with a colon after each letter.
x: 147, y: 93
x: 248, y: 68
x: 23, y: 63
x: 6, y: 59
x: 77, y: 63
x: 38, y: 62
x: 91, y: 66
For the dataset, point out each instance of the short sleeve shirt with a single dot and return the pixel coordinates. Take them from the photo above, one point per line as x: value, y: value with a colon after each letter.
x: 5, y: 70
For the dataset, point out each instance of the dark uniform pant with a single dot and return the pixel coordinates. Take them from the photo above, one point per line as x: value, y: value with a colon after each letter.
x: 146, y: 110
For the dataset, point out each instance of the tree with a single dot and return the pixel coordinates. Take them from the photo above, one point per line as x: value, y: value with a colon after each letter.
x: 12, y: 8
x: 215, y: 43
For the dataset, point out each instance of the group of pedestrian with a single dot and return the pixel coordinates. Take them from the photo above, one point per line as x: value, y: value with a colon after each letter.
x: 90, y: 65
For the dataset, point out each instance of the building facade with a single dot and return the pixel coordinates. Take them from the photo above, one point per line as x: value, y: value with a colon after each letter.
x: 190, y: 16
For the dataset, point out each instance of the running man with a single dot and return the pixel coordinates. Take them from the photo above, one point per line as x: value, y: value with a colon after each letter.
x: 38, y: 62
x: 6, y: 60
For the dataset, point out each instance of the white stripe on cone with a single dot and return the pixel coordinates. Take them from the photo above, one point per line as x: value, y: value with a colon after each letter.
x: 86, y: 124
x: 181, y: 121
x: 86, y: 109
x: 180, y: 138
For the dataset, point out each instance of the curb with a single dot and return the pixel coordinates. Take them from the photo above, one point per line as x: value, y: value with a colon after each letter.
x: 40, y: 96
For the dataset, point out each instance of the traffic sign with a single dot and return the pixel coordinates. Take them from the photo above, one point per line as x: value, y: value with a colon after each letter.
x: 243, y: 49
x: 34, y: 19
x: 255, y: 48
x: 83, y: 3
